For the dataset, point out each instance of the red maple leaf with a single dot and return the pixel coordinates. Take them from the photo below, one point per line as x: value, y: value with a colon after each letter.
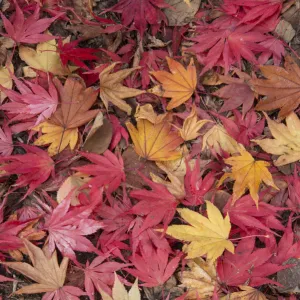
x: 139, y: 13
x: 28, y: 30
x: 32, y: 101
x: 6, y: 143
x: 293, y: 201
x: 100, y: 275
x: 225, y: 42
x: 154, y: 269
x: 243, y: 129
x: 244, y: 214
x: 69, y: 52
x: 67, y: 227
x: 119, y: 132
x: 158, y: 205
x: 247, y: 266
x: 32, y: 174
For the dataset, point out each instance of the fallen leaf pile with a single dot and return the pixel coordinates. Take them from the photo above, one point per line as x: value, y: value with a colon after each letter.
x: 149, y: 149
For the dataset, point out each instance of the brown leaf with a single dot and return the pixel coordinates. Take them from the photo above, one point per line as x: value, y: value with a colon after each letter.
x: 48, y: 274
x: 282, y: 88
x: 112, y: 90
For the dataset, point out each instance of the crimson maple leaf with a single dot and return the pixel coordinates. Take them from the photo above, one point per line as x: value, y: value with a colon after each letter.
x: 6, y: 143
x: 32, y: 174
x: 139, y: 13
x: 225, y: 42
x: 100, y: 275
x: 244, y: 214
x: 107, y: 170
x: 28, y: 30
x: 243, y: 129
x: 118, y: 132
x: 158, y: 205
x: 196, y: 186
x: 69, y: 52
x: 155, y: 269
x: 67, y: 227
x: 247, y: 266
x: 293, y: 201
x: 32, y: 101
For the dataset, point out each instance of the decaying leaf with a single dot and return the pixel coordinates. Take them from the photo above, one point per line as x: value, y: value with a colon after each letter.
x: 155, y: 141
x: 200, y: 280
x: 191, y: 126
x: 5, y: 79
x: 49, y: 275
x: 146, y: 112
x: 282, y: 88
x: 119, y: 291
x: 179, y: 85
x: 61, y: 129
x: 218, y: 139
x: 248, y: 174
x: 44, y: 58
x: 112, y: 90
x: 247, y: 293
x: 286, y: 142
x: 206, y: 235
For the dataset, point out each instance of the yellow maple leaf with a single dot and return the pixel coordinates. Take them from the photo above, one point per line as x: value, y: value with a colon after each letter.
x: 112, y: 90
x: 200, y: 279
x: 44, y: 58
x: 286, y: 142
x: 119, y: 291
x: 219, y: 139
x: 248, y: 174
x: 247, y: 293
x: 206, y: 235
x: 5, y: 79
x: 61, y: 129
x: 191, y: 126
x: 179, y: 85
x: 147, y: 112
x: 155, y: 141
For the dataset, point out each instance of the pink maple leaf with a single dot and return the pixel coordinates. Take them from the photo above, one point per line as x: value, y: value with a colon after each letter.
x: 6, y: 143
x: 28, y: 30
x: 67, y: 228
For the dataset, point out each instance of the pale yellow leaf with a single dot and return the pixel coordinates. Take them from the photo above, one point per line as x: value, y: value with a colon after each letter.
x: 206, y: 235
x: 5, y: 79
x: 247, y: 293
x: 147, y: 112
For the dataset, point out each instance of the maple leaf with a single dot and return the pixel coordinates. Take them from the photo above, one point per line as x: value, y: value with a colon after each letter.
x: 5, y: 79
x: 237, y: 92
x: 6, y: 142
x: 206, y: 235
x: 246, y: 293
x: 179, y: 85
x: 146, y: 112
x: 69, y: 52
x: 108, y: 170
x: 119, y: 292
x: 248, y: 265
x: 219, y: 140
x: 282, y: 87
x: 155, y: 141
x: 67, y: 227
x: 112, y: 90
x: 243, y: 129
x: 100, y: 275
x: 29, y: 174
x: 53, y: 283
x: 140, y: 13
x: 286, y: 142
x: 200, y: 279
x: 27, y: 30
x: 248, y: 174
x: 154, y: 269
x: 61, y: 129
x: 119, y: 132
x: 191, y: 126
x: 244, y: 214
x: 293, y: 201
x: 33, y: 100
x: 158, y: 205
x: 44, y: 58
x: 225, y: 42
